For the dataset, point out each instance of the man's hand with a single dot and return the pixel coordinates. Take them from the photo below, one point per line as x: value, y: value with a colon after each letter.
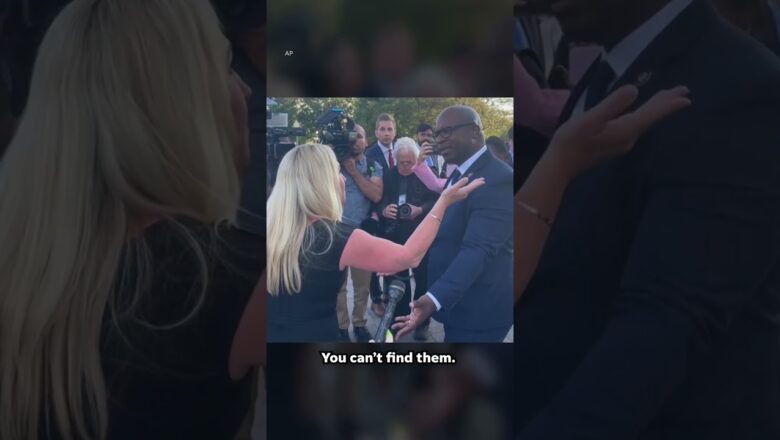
x: 349, y: 166
x: 422, y: 309
x: 426, y: 149
x: 390, y: 211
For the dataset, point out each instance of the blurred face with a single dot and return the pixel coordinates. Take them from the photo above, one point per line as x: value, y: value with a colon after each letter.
x: 385, y: 132
x: 405, y: 160
x: 498, y: 152
x: 593, y: 21
x: 457, y: 137
x: 239, y: 92
x: 425, y: 136
x: 253, y: 43
x: 360, y: 143
x: 344, y: 70
x: 735, y: 12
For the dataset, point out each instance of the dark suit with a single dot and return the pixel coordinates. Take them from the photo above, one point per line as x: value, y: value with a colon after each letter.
x: 417, y: 194
x: 470, y: 261
x: 655, y: 310
x: 772, y: 40
x: 374, y: 153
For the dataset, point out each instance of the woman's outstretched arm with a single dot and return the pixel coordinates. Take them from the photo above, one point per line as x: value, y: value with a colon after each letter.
x: 366, y: 252
x: 428, y: 178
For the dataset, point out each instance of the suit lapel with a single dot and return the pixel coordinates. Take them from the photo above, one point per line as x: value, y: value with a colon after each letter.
x: 380, y: 156
x: 577, y: 92
x: 672, y: 43
x: 483, y: 160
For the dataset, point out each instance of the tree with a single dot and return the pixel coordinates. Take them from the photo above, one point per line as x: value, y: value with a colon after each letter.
x: 408, y: 112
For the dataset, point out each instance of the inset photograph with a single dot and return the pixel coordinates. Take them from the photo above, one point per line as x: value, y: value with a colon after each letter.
x: 390, y: 219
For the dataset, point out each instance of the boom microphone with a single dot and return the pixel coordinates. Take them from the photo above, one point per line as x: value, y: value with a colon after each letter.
x: 396, y: 292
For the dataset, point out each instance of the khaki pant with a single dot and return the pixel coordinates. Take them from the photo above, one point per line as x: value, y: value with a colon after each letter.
x: 360, y: 281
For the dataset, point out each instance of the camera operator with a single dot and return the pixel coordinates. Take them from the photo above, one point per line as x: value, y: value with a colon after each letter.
x: 363, y: 186
x: 404, y: 204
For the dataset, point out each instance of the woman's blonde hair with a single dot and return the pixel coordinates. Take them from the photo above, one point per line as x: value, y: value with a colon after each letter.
x: 306, y: 189
x: 128, y: 117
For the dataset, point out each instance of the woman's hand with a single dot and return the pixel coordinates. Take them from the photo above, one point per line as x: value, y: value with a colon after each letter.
x: 605, y: 131
x: 461, y: 189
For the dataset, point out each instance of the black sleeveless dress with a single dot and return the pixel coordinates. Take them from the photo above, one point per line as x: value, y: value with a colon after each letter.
x: 310, y: 315
x: 174, y: 383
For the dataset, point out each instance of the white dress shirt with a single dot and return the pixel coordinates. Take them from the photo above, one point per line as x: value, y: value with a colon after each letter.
x: 386, y: 151
x: 463, y: 168
x: 628, y: 50
x: 469, y: 162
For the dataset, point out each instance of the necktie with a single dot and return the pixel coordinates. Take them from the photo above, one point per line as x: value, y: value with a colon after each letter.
x: 454, y: 177
x: 390, y: 160
x: 599, y: 85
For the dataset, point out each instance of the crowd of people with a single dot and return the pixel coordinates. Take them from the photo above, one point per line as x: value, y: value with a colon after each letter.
x: 648, y: 208
x: 379, y: 214
x: 390, y: 54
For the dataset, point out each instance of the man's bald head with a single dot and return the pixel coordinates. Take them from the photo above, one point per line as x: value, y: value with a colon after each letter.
x: 360, y: 143
x: 460, y: 135
x: 463, y: 113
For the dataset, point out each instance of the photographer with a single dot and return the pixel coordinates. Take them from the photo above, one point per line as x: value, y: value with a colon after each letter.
x: 405, y: 203
x: 434, y: 161
x: 363, y: 186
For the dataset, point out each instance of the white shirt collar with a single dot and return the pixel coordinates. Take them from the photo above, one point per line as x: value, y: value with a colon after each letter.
x: 470, y: 161
x: 626, y: 52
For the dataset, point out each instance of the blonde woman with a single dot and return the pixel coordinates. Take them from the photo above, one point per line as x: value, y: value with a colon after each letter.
x: 126, y: 306
x: 309, y: 248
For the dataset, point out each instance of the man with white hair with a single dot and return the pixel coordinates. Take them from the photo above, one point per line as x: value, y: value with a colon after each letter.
x: 405, y: 202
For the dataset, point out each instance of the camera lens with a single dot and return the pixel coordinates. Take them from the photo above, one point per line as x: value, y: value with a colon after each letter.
x: 404, y: 211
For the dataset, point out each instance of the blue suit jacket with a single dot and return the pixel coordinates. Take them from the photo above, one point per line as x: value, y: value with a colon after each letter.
x: 470, y: 261
x: 374, y: 153
x: 655, y: 309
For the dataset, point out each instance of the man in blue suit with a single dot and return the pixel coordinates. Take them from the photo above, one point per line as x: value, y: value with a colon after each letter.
x: 470, y: 261
x: 654, y: 312
x: 382, y: 151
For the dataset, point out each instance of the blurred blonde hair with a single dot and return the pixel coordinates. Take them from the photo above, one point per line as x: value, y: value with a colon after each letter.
x: 307, y: 188
x: 128, y: 117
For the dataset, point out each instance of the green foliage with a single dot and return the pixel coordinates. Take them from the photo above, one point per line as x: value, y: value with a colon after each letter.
x: 408, y: 112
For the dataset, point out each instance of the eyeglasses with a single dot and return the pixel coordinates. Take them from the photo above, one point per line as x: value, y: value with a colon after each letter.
x: 446, y: 132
